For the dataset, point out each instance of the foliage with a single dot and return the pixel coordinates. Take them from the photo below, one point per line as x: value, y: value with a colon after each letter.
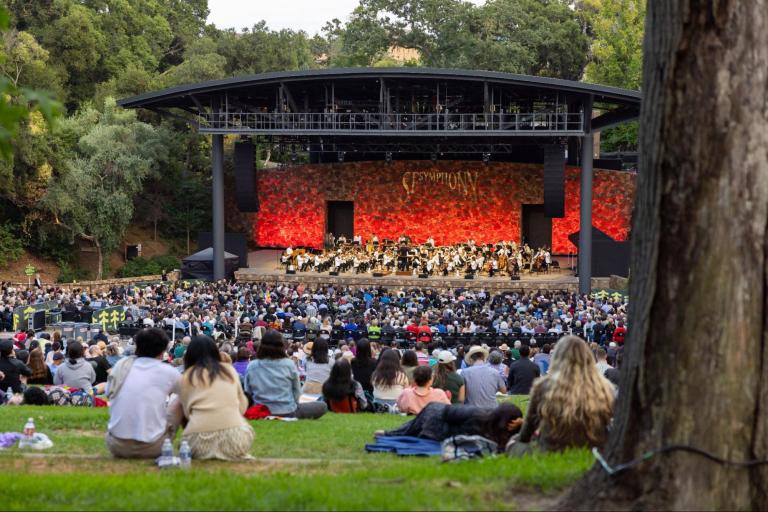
x: 617, y: 57
x: 304, y: 464
x: 149, y: 267
x: 69, y: 273
x: 11, y: 247
x: 93, y: 197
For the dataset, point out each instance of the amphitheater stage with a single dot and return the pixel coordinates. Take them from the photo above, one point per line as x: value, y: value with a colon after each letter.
x: 264, y: 266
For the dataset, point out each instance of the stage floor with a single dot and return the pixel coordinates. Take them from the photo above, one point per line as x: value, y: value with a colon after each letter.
x: 264, y: 266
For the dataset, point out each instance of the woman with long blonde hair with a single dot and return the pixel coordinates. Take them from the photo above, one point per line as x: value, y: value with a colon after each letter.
x: 572, y: 405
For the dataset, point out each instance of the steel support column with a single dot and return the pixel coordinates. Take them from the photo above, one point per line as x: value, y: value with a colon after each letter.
x: 217, y: 161
x: 585, y: 217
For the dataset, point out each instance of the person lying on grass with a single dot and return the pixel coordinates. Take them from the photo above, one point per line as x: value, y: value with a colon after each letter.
x: 412, y: 400
x: 138, y: 389
x: 570, y: 406
x: 439, y: 421
x: 213, y: 403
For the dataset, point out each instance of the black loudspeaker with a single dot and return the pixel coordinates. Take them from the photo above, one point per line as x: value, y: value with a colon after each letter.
x: 554, y: 180
x: 469, y: 276
x: 514, y: 278
x: 333, y: 273
x: 378, y: 274
x: 246, y: 193
x: 290, y: 272
x: 423, y: 276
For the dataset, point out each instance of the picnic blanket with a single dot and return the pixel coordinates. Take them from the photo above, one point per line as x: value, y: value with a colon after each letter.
x: 405, y: 445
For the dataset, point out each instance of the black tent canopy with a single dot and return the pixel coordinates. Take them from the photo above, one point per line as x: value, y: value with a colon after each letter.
x: 200, y: 265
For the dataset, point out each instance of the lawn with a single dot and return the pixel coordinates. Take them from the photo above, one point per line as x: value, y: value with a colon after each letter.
x: 305, y: 465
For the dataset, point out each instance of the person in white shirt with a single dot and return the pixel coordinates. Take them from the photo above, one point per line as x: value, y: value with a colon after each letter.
x: 142, y: 414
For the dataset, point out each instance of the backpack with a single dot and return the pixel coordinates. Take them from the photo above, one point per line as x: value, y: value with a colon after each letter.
x: 467, y: 447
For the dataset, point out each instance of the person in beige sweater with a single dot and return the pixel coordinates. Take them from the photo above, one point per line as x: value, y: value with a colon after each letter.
x: 213, y: 403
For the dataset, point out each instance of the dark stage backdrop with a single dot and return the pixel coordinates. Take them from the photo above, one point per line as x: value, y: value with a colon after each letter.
x: 451, y: 201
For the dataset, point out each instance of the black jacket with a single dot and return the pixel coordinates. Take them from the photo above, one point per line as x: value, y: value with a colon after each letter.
x: 13, y: 369
x: 522, y: 373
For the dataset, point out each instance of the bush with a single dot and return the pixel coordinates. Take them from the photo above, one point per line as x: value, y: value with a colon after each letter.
x: 11, y: 247
x: 153, y: 266
x: 69, y: 273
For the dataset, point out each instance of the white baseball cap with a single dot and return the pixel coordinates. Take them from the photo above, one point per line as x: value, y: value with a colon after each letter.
x: 445, y: 356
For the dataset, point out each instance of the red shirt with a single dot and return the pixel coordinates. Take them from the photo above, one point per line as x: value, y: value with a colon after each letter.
x: 619, y: 334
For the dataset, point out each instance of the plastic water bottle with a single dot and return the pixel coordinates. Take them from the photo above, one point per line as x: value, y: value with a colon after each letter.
x: 29, y: 428
x: 185, y: 455
x: 166, y: 452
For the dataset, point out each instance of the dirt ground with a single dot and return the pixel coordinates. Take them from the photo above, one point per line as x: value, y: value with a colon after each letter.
x: 49, y: 270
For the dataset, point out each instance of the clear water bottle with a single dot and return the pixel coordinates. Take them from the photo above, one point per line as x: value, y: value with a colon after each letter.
x: 166, y: 452
x: 29, y: 428
x: 185, y: 455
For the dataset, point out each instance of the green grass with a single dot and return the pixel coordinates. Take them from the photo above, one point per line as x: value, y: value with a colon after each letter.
x: 305, y: 465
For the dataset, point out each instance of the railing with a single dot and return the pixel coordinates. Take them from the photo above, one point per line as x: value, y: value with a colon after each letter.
x: 381, y: 123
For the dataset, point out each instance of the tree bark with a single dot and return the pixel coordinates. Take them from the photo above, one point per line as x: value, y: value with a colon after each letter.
x: 696, y: 367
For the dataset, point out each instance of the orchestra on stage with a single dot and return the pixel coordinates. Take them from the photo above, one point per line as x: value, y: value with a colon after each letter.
x: 504, y: 258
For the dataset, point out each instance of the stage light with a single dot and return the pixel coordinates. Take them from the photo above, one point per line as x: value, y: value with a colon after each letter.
x: 486, y: 158
x: 340, y: 155
x: 434, y: 157
x: 294, y: 157
x: 388, y: 156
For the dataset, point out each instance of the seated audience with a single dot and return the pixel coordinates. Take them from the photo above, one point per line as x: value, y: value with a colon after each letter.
x: 12, y: 369
x: 76, y: 372
x: 389, y: 380
x: 446, y: 377
x: 318, y: 366
x: 570, y: 406
x: 138, y: 390
x: 482, y: 382
x: 522, y: 373
x: 363, y: 365
x: 41, y: 374
x: 341, y: 392
x: 213, y: 403
x: 413, y: 399
x: 272, y: 380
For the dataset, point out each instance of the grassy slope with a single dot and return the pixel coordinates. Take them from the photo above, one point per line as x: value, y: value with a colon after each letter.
x: 301, y: 465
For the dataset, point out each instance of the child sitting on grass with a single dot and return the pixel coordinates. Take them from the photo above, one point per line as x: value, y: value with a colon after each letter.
x: 412, y: 400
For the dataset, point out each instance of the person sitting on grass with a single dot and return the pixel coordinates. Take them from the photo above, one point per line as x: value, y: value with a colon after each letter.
x: 12, y: 369
x: 482, y: 382
x: 138, y: 389
x: 439, y: 421
x: 341, y: 392
x: 318, y: 366
x: 272, y: 380
x: 446, y: 377
x: 363, y: 365
x: 571, y: 406
x: 76, y: 372
x: 409, y: 363
x: 213, y: 403
x: 412, y: 400
x: 41, y: 374
x: 388, y: 379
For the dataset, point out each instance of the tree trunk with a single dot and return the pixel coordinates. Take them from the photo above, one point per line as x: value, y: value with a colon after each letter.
x: 696, y: 367
x: 100, y: 270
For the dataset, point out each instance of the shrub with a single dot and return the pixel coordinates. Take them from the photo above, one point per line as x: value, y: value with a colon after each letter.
x: 69, y: 273
x: 11, y: 246
x: 146, y: 267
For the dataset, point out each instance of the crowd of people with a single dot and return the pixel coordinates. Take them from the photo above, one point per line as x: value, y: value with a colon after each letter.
x: 213, y: 351
x: 342, y: 255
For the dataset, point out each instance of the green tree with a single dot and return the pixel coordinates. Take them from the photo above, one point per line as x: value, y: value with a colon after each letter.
x: 617, y: 56
x: 93, y: 198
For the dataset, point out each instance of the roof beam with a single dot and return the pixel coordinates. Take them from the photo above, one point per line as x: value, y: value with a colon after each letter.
x: 614, y: 117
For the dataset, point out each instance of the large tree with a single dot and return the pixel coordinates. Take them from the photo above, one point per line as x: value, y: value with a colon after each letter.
x: 93, y: 197
x: 696, y: 369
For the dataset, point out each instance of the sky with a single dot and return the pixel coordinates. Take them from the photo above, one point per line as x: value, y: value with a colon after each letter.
x: 307, y: 15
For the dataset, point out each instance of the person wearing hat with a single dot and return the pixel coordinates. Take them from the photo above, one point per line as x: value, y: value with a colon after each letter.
x: 13, y: 369
x: 481, y: 380
x: 446, y: 377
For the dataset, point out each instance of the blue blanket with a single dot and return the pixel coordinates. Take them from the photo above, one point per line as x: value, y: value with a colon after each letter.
x: 405, y: 445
